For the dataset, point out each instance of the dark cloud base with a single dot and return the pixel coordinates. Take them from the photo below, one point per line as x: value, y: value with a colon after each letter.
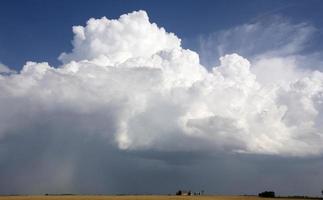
x: 59, y: 162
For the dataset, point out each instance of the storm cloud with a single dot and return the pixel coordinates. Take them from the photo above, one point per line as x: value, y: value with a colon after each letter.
x: 128, y: 94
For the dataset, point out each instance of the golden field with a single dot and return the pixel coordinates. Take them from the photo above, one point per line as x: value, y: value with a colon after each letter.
x: 130, y: 197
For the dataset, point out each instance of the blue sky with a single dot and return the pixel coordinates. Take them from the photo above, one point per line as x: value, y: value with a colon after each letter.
x: 39, y: 30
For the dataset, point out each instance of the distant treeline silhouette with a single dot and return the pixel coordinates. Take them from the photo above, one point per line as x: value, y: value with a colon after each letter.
x: 188, y: 193
x: 270, y: 194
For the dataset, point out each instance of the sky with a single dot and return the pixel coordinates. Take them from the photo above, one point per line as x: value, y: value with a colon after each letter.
x: 147, y: 97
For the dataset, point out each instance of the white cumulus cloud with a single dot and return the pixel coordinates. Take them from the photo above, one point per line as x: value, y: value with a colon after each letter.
x: 131, y: 81
x: 5, y: 70
x: 115, y: 41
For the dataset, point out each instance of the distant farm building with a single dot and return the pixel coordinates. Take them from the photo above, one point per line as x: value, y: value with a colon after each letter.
x: 184, y: 192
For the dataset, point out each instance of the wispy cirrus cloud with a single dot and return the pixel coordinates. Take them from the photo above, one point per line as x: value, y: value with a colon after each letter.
x: 274, y: 36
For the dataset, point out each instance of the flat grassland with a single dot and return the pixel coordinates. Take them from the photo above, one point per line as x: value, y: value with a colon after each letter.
x: 130, y: 197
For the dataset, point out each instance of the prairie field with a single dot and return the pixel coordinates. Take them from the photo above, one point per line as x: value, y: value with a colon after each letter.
x: 130, y: 197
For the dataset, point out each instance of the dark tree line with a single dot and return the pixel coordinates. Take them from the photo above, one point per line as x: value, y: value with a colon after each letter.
x: 189, y: 193
x: 270, y: 194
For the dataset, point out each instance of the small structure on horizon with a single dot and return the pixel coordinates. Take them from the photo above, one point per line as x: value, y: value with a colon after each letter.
x: 184, y: 193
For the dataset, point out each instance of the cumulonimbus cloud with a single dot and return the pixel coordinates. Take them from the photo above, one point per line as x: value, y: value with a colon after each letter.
x: 132, y: 81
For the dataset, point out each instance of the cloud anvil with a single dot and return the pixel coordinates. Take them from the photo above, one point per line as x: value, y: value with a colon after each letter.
x: 144, y: 91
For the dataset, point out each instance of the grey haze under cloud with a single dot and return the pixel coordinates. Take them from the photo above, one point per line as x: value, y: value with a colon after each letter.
x: 131, y: 111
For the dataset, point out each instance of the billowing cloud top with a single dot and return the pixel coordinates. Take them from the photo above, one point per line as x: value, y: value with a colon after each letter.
x: 132, y: 82
x: 115, y: 41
